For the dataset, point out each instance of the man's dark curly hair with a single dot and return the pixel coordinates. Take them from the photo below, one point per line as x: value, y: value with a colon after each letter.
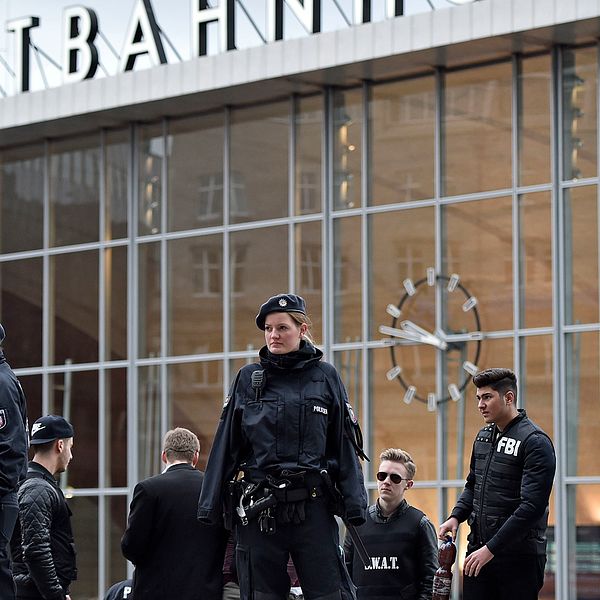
x: 500, y: 380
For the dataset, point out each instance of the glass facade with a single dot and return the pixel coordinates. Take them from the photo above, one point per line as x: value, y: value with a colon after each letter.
x: 133, y: 262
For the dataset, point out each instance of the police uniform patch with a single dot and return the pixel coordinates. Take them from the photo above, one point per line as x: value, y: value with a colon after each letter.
x: 351, y: 413
x: 226, y: 402
x: 3, y: 418
x: 282, y: 302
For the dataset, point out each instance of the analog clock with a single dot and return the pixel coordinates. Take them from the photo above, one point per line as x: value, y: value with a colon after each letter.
x: 452, y: 329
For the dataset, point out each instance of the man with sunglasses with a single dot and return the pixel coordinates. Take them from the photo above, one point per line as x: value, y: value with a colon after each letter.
x: 399, y: 538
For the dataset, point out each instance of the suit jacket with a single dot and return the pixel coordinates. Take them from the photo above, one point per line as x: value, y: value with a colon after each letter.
x: 175, y: 556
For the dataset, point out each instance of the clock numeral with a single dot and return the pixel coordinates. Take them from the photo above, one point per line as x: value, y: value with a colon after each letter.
x: 469, y: 304
x: 431, y: 402
x: 409, y: 286
x: 453, y: 282
x: 393, y: 310
x: 430, y: 276
x: 454, y: 392
x: 470, y: 368
x: 393, y: 373
x: 410, y: 394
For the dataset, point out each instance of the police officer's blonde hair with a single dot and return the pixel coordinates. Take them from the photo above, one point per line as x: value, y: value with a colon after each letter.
x: 180, y: 444
x: 300, y: 318
x: 401, y: 456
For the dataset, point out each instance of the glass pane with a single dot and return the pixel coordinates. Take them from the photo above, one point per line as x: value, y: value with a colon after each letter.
x: 581, y: 255
x: 583, y: 420
x: 196, y: 172
x: 580, y: 107
x: 116, y: 442
x: 116, y: 177
x: 477, y: 129
x: 75, y: 191
x: 149, y: 426
x: 402, y: 121
x: 116, y: 302
x: 309, y: 128
x: 482, y: 256
x: 85, y: 532
x: 535, y: 119
x: 21, y: 310
x: 388, y: 411
x: 402, y: 246
x: 196, y: 394
x: 258, y: 267
x: 309, y: 275
x: 347, y: 282
x: 116, y: 519
x: 149, y: 299
x: 74, y: 395
x: 535, y: 256
x: 265, y: 127
x: 21, y: 199
x: 195, y: 294
x: 150, y: 163
x: 583, y: 534
x: 349, y: 366
x: 74, y: 307
x: 32, y: 386
x: 347, y: 148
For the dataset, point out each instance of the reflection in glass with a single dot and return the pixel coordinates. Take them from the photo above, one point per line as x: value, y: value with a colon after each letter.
x: 583, y: 418
x: 580, y: 107
x: 75, y: 190
x: 478, y: 247
x: 309, y: 273
x: 258, y: 267
x: 32, y: 386
x: 152, y: 153
x: 259, y: 145
x: 196, y: 172
x: 347, y: 148
x: 116, y: 177
x: 149, y: 421
x: 21, y: 198
x: 196, y: 400
x: 115, y: 281
x: 401, y: 245
x: 402, y: 120
x: 535, y: 257
x: 21, y: 314
x: 349, y: 366
x: 195, y: 295
x: 581, y: 254
x: 477, y: 129
x: 149, y: 311
x: 535, y: 119
x: 74, y: 307
x: 116, y: 520
x: 309, y: 127
x: 116, y: 443
x: 583, y: 531
x: 85, y: 532
x: 347, y: 288
x: 74, y: 395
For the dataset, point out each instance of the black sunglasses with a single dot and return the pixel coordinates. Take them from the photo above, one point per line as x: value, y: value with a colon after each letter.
x: 382, y: 476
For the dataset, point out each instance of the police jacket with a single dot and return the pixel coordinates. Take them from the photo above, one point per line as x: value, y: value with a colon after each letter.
x: 295, y: 421
x: 505, y: 498
x: 403, y: 550
x: 42, y: 546
x: 14, y: 439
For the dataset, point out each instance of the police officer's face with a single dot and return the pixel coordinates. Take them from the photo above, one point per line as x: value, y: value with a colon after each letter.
x: 282, y: 333
x: 391, y: 492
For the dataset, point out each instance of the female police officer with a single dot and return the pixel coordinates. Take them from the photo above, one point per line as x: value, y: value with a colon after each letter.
x: 286, y: 433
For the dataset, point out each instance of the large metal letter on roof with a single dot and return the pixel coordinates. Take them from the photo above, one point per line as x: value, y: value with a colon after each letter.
x: 202, y: 15
x: 143, y: 37
x: 307, y: 12
x: 80, y: 55
x: 21, y: 28
x: 362, y: 10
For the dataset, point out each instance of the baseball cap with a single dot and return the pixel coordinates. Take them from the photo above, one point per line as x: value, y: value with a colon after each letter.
x: 280, y: 303
x: 49, y: 428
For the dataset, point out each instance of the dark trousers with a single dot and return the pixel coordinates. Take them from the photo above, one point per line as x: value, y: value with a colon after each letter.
x: 9, y: 511
x: 507, y: 578
x: 314, y: 547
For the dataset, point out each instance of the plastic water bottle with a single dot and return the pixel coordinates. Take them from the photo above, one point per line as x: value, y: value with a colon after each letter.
x: 442, y: 581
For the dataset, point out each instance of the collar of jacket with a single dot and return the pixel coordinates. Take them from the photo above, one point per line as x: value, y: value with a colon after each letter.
x: 37, y: 468
x: 377, y: 516
x: 306, y: 355
x: 522, y: 415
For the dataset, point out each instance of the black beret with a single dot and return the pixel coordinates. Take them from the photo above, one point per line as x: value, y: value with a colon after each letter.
x: 280, y: 303
x: 49, y: 428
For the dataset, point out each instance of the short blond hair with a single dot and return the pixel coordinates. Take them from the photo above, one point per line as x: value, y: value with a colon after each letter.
x: 180, y: 444
x: 401, y: 456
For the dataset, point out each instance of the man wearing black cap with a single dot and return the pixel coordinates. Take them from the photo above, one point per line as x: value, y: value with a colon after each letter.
x: 13, y: 464
x: 42, y: 545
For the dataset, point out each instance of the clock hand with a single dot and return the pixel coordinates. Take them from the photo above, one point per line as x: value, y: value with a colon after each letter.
x: 434, y: 340
x: 413, y: 336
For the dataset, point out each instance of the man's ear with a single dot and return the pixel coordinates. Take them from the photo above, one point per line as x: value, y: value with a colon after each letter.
x: 409, y: 483
x: 196, y: 458
x: 60, y: 444
x: 163, y: 457
x: 510, y: 397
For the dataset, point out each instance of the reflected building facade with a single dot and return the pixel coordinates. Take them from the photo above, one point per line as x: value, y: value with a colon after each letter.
x: 136, y: 247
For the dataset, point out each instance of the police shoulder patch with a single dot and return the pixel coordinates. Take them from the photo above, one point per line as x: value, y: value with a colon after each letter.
x: 3, y: 418
x: 351, y: 413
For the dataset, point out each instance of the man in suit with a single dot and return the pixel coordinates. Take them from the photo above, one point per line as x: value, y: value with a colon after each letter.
x: 175, y: 556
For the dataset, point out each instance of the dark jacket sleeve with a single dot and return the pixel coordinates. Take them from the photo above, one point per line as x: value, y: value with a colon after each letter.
x: 536, y: 484
x: 14, y: 437
x: 135, y: 542
x: 37, y: 503
x: 349, y: 554
x: 224, y: 457
x: 428, y: 557
x: 464, y: 504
